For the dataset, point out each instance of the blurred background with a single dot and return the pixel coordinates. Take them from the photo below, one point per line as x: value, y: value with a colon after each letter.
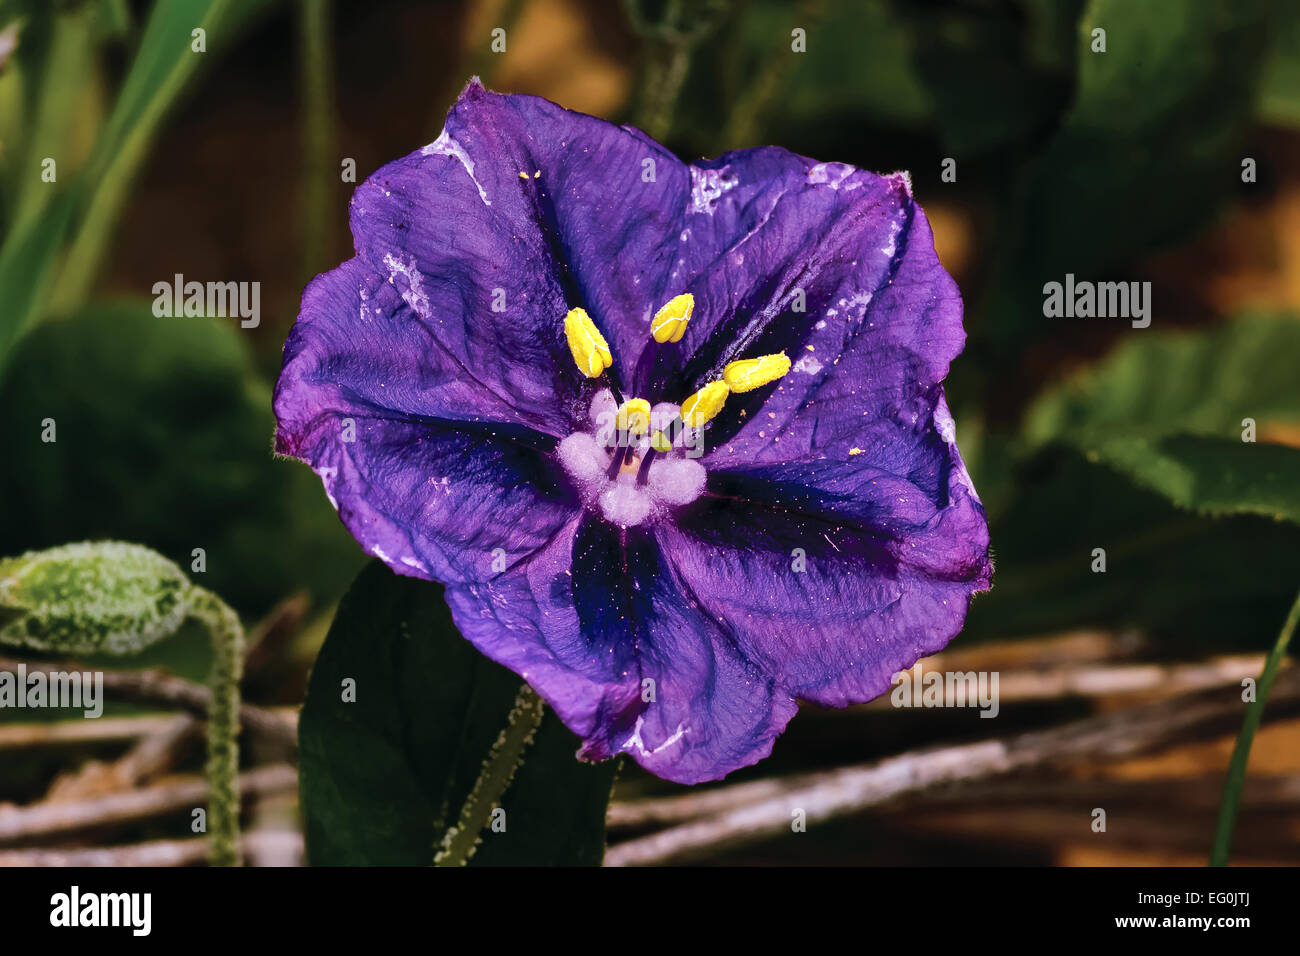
x: 1169, y: 158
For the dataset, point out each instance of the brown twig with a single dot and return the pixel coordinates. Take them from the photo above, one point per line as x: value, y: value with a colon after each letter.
x: 147, y: 759
x: 1125, y: 733
x: 80, y: 731
x: 167, y: 690
x: 257, y: 845
x: 1103, y: 679
x: 270, y: 634
x: 156, y: 753
x: 50, y: 818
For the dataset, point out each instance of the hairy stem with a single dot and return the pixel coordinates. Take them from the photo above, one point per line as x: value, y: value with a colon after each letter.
x: 1241, y: 752
x: 461, y: 839
x: 223, y: 724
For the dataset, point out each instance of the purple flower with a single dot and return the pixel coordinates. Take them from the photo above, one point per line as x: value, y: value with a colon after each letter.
x: 473, y: 387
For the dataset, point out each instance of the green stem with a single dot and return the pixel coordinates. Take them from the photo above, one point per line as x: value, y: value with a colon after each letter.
x: 223, y: 724
x: 120, y: 152
x: 316, y: 80
x: 741, y: 128
x: 665, y: 74
x: 1241, y: 753
x: 461, y: 840
x: 667, y: 48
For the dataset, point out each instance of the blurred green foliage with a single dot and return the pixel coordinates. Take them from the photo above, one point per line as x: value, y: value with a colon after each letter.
x: 164, y: 437
x: 1174, y: 412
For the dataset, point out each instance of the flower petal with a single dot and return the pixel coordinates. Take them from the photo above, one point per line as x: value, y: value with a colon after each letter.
x: 358, y: 343
x: 429, y: 470
x: 883, y: 322
x: 596, y: 645
x: 834, y: 576
x: 558, y: 209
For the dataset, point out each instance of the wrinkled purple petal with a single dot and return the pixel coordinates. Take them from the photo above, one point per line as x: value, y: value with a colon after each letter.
x: 603, y: 629
x: 551, y: 206
x: 834, y: 577
x: 418, y: 480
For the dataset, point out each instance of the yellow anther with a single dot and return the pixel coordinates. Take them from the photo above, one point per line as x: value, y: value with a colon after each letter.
x: 669, y: 323
x: 634, y: 416
x: 749, y: 374
x: 661, y: 442
x: 589, y: 348
x: 705, y: 404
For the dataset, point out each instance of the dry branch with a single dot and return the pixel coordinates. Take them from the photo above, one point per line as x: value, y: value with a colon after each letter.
x: 80, y: 731
x: 257, y: 845
x: 51, y: 818
x: 824, y: 796
x: 160, y: 688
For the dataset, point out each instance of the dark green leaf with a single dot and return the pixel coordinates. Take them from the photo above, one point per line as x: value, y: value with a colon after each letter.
x: 383, y: 776
x: 1145, y: 154
x: 1198, y: 582
x: 163, y: 436
x: 1279, y: 99
x: 1170, y: 412
x: 997, y: 74
x: 1169, y: 99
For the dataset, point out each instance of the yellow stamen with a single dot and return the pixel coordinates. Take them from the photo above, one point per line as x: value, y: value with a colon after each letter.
x: 749, y: 374
x: 634, y: 416
x: 705, y: 404
x: 661, y: 443
x: 669, y: 323
x: 589, y: 348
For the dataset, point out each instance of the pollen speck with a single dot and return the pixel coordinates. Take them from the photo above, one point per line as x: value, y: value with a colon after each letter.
x: 855, y: 451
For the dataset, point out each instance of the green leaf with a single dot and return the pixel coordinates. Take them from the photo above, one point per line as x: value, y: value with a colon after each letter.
x: 1141, y: 456
x: 163, y: 64
x: 59, y: 79
x: 1213, y: 476
x: 383, y: 776
x: 1145, y: 154
x: 997, y: 75
x: 163, y: 436
x: 1198, y: 582
x: 1169, y: 411
x: 1279, y: 98
x: 27, y: 261
x: 104, y: 596
x: 1171, y: 96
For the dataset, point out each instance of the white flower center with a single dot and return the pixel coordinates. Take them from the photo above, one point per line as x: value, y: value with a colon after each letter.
x: 632, y: 492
